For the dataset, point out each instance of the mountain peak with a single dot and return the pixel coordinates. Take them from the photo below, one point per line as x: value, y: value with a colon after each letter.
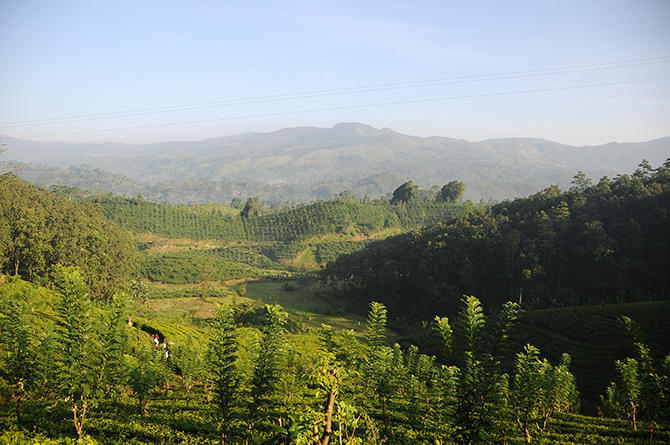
x: 356, y: 128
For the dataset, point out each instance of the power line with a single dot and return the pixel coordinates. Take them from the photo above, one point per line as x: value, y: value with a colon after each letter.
x: 340, y: 91
x: 349, y: 107
x: 259, y: 63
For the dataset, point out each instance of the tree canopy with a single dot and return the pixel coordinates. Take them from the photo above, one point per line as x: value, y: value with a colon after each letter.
x: 405, y: 193
x: 39, y: 229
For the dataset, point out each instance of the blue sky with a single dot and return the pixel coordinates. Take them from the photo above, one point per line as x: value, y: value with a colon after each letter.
x: 150, y: 71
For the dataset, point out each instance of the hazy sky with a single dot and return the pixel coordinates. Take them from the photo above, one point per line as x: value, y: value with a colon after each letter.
x: 579, y: 72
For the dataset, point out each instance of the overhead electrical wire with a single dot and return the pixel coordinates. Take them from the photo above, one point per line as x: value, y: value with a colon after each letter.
x: 341, y: 91
x: 349, y: 107
x: 259, y: 63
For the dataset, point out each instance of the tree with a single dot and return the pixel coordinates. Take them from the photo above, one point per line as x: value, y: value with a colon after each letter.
x: 76, y: 359
x: 190, y: 361
x: 236, y: 203
x: 18, y: 355
x: 251, y: 208
x: 268, y: 367
x: 527, y: 388
x: 113, y: 344
x: 140, y: 290
x: 478, y: 349
x: 328, y: 377
x: 641, y: 389
x: 452, y: 191
x: 144, y: 372
x: 405, y: 193
x: 375, y: 332
x: 622, y: 398
x: 580, y: 182
x: 222, y: 354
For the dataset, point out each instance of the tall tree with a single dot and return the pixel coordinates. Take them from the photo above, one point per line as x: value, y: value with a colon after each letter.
x: 222, y: 354
x: 405, y: 193
x: 452, y: 191
x: 76, y: 359
x: 113, y: 342
x: 18, y: 364
x: 267, y: 372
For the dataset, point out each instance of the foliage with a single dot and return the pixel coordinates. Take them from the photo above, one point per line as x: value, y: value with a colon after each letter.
x: 39, y: 229
x: 405, y: 193
x: 267, y: 370
x: 198, y: 266
x: 452, y: 191
x: 144, y: 373
x: 540, y: 390
x: 601, y: 243
x: 222, y: 354
x: 76, y: 359
x: 324, y: 384
x: 18, y: 365
x: 640, y: 389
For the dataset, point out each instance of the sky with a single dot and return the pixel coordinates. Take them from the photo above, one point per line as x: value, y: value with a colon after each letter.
x: 577, y: 72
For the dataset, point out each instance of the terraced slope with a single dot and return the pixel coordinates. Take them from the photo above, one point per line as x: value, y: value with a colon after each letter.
x: 594, y: 337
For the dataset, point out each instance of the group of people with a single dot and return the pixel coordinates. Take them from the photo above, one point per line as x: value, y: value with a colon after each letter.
x: 157, y: 340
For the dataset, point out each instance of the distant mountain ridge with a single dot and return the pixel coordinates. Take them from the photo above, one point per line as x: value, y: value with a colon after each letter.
x: 303, y: 163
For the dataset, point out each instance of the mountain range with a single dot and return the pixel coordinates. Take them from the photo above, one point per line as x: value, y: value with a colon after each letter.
x: 305, y: 163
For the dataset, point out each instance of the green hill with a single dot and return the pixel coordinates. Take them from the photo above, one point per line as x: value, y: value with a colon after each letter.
x: 298, y: 223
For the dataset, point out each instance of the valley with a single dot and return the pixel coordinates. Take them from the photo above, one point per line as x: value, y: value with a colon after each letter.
x: 185, y: 263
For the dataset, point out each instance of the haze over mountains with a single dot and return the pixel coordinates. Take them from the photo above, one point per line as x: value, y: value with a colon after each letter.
x: 306, y: 163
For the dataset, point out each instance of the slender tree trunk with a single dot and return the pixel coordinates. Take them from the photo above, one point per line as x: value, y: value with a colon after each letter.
x: 143, y: 405
x: 545, y: 420
x: 328, y: 430
x: 223, y: 438
x: 79, y: 419
x: 524, y: 429
x: 634, y: 412
x: 18, y: 408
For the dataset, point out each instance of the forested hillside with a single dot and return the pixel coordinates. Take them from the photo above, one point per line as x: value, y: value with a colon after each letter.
x: 39, y: 229
x: 595, y: 243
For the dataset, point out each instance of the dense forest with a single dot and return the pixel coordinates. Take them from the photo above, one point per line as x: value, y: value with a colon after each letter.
x: 594, y: 243
x: 127, y: 321
x: 39, y: 229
